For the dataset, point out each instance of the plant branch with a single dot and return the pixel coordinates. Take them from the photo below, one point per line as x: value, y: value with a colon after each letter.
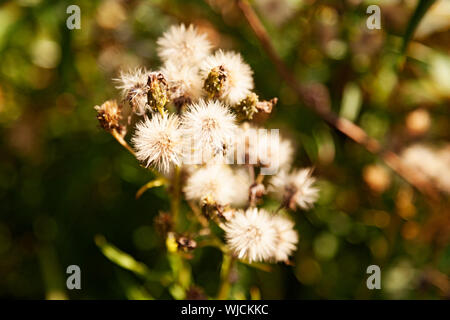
x: 122, y: 141
x: 316, y: 98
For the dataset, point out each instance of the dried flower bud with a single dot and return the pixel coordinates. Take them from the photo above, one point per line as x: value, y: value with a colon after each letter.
x: 158, y: 92
x: 215, y: 82
x: 266, y: 106
x: 109, y: 115
x: 208, y: 206
x: 211, y: 209
x: 247, y: 107
x: 163, y: 223
x: 186, y: 243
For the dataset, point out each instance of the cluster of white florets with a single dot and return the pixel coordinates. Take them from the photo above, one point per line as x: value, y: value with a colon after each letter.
x: 200, y: 102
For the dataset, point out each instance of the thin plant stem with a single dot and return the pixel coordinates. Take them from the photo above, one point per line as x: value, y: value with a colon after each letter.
x: 122, y: 141
x: 151, y: 184
x: 225, y: 285
x: 176, y: 194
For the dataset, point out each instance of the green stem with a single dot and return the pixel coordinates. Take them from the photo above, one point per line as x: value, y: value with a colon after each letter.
x: 176, y: 193
x: 225, y: 285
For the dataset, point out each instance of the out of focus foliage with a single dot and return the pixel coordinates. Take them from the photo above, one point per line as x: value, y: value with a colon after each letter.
x: 63, y: 180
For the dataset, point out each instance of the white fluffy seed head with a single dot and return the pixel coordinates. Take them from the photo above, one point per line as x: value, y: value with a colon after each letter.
x: 209, y: 129
x: 184, y: 81
x: 263, y: 147
x: 158, y: 142
x: 296, y: 188
x: 275, y: 152
x: 287, y: 237
x: 183, y: 46
x: 215, y: 181
x: 239, y: 79
x: 251, y: 235
x: 133, y: 85
x: 241, y: 188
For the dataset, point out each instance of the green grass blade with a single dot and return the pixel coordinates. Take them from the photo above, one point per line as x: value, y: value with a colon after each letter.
x: 127, y: 262
x: 419, y: 13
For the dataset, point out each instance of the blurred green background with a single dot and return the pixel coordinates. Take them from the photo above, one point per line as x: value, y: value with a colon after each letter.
x: 63, y: 180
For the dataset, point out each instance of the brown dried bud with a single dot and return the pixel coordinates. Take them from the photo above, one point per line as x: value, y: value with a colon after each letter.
x: 211, y: 209
x: 163, y: 223
x: 109, y: 115
x: 251, y: 104
x: 266, y: 106
x: 186, y: 243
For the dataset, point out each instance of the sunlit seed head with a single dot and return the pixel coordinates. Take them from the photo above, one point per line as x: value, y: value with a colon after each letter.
x: 274, y: 151
x: 296, y: 188
x: 251, y: 236
x: 183, y: 46
x: 134, y: 88
x: 238, y: 79
x: 215, y: 181
x: 185, y: 83
x: 287, y: 237
x: 158, y: 142
x: 209, y: 128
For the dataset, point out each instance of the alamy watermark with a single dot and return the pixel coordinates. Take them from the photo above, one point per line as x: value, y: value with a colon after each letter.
x: 74, y: 280
x: 259, y: 147
x: 74, y: 20
x: 374, y: 20
x: 374, y: 281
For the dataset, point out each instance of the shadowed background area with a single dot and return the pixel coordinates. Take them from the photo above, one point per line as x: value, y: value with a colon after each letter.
x: 63, y: 180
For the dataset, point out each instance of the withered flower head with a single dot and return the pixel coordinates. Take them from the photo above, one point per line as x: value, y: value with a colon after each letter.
x: 158, y: 93
x: 109, y: 115
x: 250, y: 105
x: 186, y: 243
x: 215, y: 81
x: 163, y: 223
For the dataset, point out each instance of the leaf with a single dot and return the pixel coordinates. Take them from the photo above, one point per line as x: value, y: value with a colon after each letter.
x: 127, y: 262
x: 419, y: 13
